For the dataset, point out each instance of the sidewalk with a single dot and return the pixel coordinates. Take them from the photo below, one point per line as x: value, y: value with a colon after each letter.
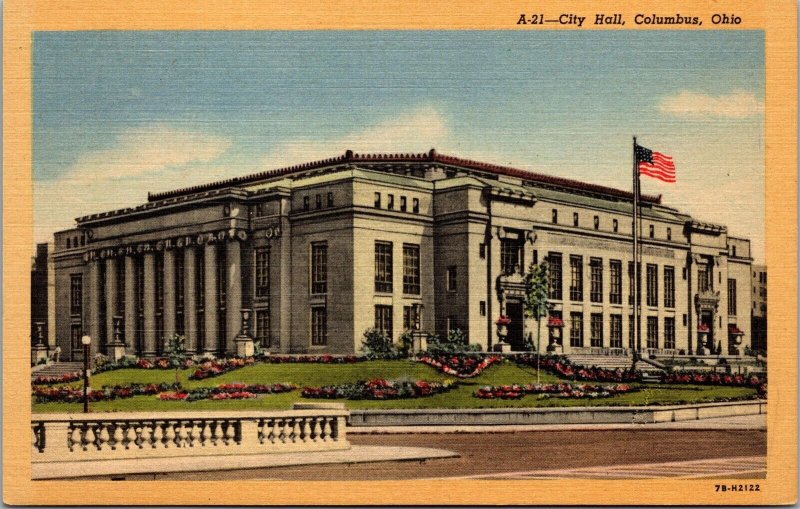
x: 356, y: 454
x: 752, y: 422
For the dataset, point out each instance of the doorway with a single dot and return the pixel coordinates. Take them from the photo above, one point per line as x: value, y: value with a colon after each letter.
x: 515, y: 332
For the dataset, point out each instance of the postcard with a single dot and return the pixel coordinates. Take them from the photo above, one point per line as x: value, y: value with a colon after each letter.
x: 420, y: 253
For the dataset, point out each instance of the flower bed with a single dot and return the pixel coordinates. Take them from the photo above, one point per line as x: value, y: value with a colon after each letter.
x: 235, y: 391
x: 563, y: 368
x: 462, y: 366
x: 320, y: 359
x: 552, y: 390
x: 380, y: 389
x: 53, y: 380
x: 210, y: 369
x: 103, y: 364
x: 67, y: 394
x: 712, y: 379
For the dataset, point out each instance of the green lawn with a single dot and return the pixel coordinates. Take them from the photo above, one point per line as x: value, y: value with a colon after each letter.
x: 330, y: 374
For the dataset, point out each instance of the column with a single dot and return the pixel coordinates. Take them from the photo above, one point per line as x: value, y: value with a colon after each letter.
x: 169, y: 295
x: 233, y: 311
x: 111, y: 297
x: 189, y: 300
x: 211, y: 305
x: 130, y: 303
x: 150, y: 339
x: 94, y: 305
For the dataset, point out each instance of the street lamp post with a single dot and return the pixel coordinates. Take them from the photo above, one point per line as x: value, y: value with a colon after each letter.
x: 86, y: 341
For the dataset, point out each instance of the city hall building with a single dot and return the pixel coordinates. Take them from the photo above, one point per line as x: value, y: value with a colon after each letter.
x: 323, y: 251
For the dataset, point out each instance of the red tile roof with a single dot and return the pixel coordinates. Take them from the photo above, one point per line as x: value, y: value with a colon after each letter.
x: 430, y: 157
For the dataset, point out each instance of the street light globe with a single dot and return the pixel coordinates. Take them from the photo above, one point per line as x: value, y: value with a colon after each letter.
x: 85, y: 340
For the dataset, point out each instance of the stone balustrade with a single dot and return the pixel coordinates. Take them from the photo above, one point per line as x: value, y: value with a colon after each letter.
x: 106, y: 436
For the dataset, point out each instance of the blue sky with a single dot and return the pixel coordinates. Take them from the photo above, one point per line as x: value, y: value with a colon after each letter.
x: 117, y: 114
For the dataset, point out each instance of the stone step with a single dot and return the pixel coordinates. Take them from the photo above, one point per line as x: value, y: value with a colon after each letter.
x: 60, y: 368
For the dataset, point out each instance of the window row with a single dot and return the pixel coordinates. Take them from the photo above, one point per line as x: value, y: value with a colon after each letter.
x: 76, y: 241
x: 384, y: 272
x: 597, y: 332
x: 596, y: 281
x: 390, y: 203
x: 576, y: 221
x: 307, y: 202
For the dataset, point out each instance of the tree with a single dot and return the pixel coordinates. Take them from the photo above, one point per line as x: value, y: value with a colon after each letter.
x: 536, y: 301
x: 176, y: 353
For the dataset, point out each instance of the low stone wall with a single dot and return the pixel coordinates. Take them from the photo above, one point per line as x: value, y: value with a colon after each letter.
x: 569, y: 415
x: 95, y: 436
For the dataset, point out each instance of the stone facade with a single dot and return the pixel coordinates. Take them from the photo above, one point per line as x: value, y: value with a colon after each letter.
x: 323, y: 251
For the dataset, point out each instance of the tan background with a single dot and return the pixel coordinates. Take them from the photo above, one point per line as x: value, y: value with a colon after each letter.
x: 22, y: 17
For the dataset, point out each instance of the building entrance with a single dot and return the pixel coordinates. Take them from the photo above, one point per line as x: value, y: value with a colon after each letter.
x: 707, y: 319
x: 515, y: 336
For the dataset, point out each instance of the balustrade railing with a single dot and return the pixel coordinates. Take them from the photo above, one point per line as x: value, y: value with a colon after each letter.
x: 63, y: 437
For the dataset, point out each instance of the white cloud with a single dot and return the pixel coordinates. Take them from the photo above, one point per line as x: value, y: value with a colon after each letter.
x: 121, y: 175
x: 739, y: 104
x: 415, y: 131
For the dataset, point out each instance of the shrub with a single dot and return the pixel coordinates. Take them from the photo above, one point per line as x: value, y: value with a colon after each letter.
x: 456, y: 343
x: 377, y: 345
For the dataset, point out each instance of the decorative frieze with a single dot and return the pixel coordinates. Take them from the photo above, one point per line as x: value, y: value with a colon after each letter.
x: 598, y: 244
x: 166, y: 244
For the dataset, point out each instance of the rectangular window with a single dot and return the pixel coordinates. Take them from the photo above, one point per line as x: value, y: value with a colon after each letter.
x: 383, y: 267
x: 410, y: 318
x: 262, y: 328
x: 574, y: 219
x: 383, y: 319
x: 411, y: 277
x: 576, y: 278
x: 319, y: 267
x: 669, y: 234
x: 554, y: 334
x: 222, y: 281
x: 652, y: 285
x: 615, y: 224
x: 631, y: 334
x: 555, y: 216
x: 596, y: 222
x: 685, y: 319
x: 318, y: 201
x: 319, y: 325
x: 483, y: 307
x: 403, y: 204
x: 510, y: 256
x: 200, y: 281
x: 120, y: 311
x: 576, y: 329
x: 652, y: 332
x: 262, y: 271
x: 76, y: 294
x: 596, y: 274
x: 306, y: 203
x: 615, y: 295
x: 451, y: 278
x: 377, y: 200
x: 259, y: 209
x: 330, y: 199
x: 180, y: 304
x: 631, y: 278
x: 616, y: 331
x: 75, y: 334
x: 390, y: 202
x: 555, y: 286
x: 652, y: 231
x: 669, y: 332
x: 669, y: 286
x: 415, y: 205
x: 482, y: 251
x: 732, y: 297
x: 596, y: 326
x: 703, y: 279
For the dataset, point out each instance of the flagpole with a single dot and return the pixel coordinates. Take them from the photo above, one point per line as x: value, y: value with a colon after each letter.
x: 636, y: 329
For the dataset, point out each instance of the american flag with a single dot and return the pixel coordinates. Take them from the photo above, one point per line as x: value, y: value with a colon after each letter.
x: 655, y: 164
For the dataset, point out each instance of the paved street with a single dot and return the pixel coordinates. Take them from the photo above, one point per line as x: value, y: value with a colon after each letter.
x: 622, y: 453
